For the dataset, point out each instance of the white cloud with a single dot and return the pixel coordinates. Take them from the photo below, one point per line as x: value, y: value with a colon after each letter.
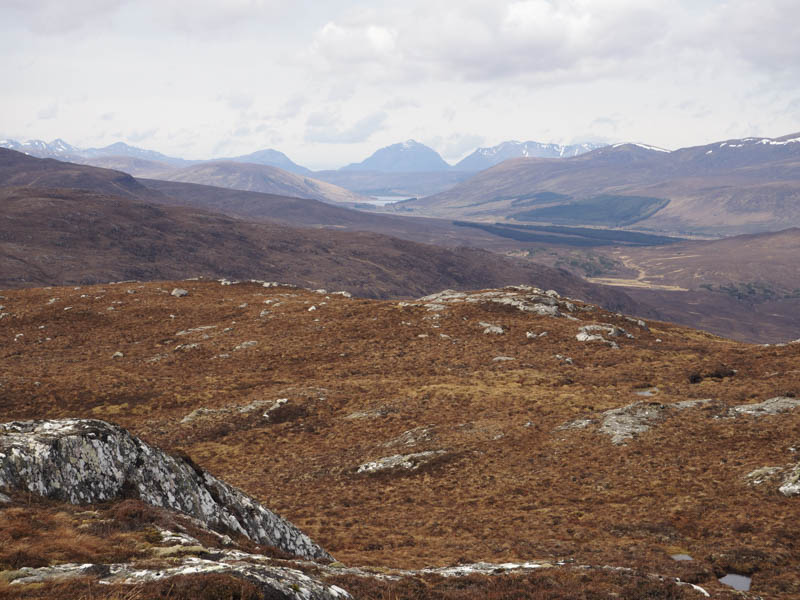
x: 58, y: 16
x: 324, y: 128
x: 242, y: 74
x: 48, y: 112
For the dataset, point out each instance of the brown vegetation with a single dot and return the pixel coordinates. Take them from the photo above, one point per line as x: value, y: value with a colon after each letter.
x: 368, y: 379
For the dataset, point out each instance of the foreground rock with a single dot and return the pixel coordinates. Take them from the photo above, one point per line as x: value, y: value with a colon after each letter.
x: 85, y: 461
x: 277, y: 582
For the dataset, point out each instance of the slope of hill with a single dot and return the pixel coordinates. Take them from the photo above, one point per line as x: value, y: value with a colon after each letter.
x: 405, y: 157
x: 506, y: 426
x: 69, y: 236
x: 262, y: 178
x: 738, y: 186
x: 397, y: 185
x: 138, y: 167
x: 272, y: 158
x: 17, y: 169
x: 484, y: 158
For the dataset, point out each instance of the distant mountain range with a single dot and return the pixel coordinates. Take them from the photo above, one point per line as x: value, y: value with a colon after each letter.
x: 736, y: 186
x: 405, y: 157
x: 484, y: 158
x: 407, y: 169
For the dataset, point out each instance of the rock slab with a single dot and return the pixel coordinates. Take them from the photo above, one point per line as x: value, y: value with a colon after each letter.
x: 84, y: 461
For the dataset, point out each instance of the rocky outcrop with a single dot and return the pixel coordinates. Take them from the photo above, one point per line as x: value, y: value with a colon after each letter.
x: 627, y: 422
x: 85, y: 461
x: 276, y: 581
x: 773, y: 406
x: 522, y: 297
x: 407, y: 462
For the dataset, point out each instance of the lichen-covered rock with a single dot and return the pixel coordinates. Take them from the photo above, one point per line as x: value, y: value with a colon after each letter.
x: 791, y: 484
x: 773, y: 406
x: 408, y: 462
x: 626, y: 422
x: 85, y: 461
x: 276, y: 581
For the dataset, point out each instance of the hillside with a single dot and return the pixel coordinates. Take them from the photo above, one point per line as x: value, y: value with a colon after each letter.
x: 54, y: 237
x: 739, y: 186
x: 506, y: 426
x: 261, y: 178
x: 20, y: 170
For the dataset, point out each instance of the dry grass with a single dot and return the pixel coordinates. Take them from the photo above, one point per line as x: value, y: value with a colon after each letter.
x: 511, y: 487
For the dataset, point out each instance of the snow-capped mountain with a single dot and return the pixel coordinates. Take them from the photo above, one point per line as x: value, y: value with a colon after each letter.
x: 406, y: 157
x: 58, y: 148
x: 483, y: 158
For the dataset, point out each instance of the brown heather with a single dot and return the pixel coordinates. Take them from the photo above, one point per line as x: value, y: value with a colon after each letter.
x: 359, y: 375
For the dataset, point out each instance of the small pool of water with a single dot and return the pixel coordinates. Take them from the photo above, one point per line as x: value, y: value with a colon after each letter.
x: 736, y: 581
x: 681, y: 557
x: 648, y: 392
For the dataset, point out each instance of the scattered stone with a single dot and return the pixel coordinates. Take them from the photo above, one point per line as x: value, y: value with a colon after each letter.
x: 179, y: 293
x: 248, y: 344
x: 763, y: 475
x: 4, y: 499
x: 791, y: 485
x: 491, y: 329
x: 264, y: 313
x: 275, y: 405
x: 85, y: 461
x: 627, y: 422
x: 773, y: 406
x: 186, y: 347
x: 503, y: 358
x: 311, y: 308
x: 409, y: 462
x: 342, y: 293
x: 197, y: 413
x: 565, y: 359
x: 412, y: 437
x: 373, y: 413
x: 196, y: 329
x: 117, y: 354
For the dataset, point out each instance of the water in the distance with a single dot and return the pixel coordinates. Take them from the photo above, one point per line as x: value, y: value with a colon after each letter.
x: 737, y: 582
x: 681, y: 557
x: 384, y: 200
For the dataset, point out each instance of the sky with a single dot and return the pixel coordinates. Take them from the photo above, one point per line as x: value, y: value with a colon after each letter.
x: 329, y: 82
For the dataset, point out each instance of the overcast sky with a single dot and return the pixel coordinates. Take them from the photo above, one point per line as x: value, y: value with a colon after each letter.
x: 329, y: 82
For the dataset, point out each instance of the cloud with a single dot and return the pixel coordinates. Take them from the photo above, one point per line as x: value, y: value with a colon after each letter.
x: 59, y: 16
x: 140, y: 135
x: 292, y: 107
x: 238, y: 100
x: 354, y: 43
x: 458, y: 145
x: 324, y: 128
x: 487, y: 41
x: 48, y: 112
